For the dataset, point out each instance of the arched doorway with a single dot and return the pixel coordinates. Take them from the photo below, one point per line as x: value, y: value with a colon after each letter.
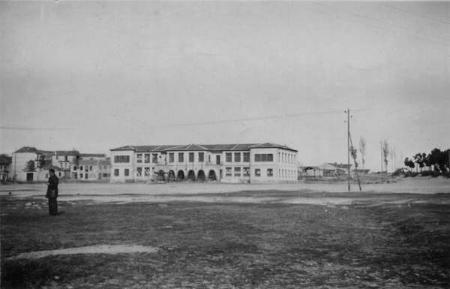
x: 191, y: 175
x: 212, y: 175
x: 201, y: 176
x: 180, y: 175
x: 171, y: 176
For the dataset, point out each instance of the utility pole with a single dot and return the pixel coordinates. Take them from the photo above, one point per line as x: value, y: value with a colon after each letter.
x: 348, y: 148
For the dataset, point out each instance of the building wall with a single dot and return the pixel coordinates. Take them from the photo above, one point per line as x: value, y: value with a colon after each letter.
x: 283, y: 166
x: 121, y: 167
x: 237, y: 169
x: 19, y: 163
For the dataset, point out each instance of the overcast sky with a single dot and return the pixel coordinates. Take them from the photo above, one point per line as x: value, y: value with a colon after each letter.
x: 94, y: 76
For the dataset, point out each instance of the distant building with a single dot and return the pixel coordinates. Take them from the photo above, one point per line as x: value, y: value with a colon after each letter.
x: 5, y: 168
x: 92, y: 168
x: 231, y: 163
x: 31, y: 164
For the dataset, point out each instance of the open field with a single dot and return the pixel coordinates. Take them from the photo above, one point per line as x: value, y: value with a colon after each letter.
x: 211, y: 236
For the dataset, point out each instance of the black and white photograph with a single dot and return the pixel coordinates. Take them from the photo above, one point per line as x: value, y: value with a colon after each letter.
x: 224, y: 144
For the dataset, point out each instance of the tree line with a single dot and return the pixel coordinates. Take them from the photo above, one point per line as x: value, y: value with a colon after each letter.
x: 436, y: 161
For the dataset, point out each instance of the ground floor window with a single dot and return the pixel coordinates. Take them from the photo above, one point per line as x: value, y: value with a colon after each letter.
x: 81, y: 176
x: 246, y: 172
x: 116, y: 172
x: 257, y: 172
x: 228, y: 172
x: 237, y: 171
x: 127, y: 172
x: 147, y: 172
x: 270, y: 172
x: 139, y: 172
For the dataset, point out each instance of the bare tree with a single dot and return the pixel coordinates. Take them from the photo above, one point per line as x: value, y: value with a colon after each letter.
x: 386, y: 153
x: 362, y: 150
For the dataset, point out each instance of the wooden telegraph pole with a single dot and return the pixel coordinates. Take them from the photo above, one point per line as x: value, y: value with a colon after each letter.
x: 348, y: 148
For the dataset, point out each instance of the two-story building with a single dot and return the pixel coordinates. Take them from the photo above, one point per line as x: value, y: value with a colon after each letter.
x: 31, y: 164
x: 91, y: 167
x: 231, y: 163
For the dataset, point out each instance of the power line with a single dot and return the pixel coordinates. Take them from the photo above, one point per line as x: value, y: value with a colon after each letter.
x: 34, y: 128
x: 258, y: 118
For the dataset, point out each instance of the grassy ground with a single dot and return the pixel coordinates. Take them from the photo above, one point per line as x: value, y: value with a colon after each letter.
x: 220, y: 245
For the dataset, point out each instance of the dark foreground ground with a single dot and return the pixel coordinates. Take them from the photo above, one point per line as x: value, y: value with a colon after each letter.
x: 220, y: 245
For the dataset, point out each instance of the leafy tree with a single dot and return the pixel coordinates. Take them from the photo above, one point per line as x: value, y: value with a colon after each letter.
x: 409, y: 163
x: 420, y: 159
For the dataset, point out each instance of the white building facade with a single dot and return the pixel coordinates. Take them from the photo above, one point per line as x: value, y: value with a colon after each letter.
x: 228, y: 163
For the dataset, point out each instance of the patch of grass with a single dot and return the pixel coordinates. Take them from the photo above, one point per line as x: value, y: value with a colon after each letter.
x: 204, y: 245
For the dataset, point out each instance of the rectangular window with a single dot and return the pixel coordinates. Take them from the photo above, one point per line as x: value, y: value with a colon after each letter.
x: 86, y: 176
x: 90, y: 168
x: 116, y: 172
x: 81, y: 168
x: 154, y: 158
x: 201, y: 157
x: 81, y: 176
x: 105, y: 175
x: 171, y: 157
x: 270, y: 172
x: 228, y: 157
x: 228, y: 172
x: 263, y: 157
x: 139, y: 158
x: 191, y: 157
x: 237, y: 171
x: 139, y: 172
x: 127, y: 172
x: 246, y: 172
x: 257, y: 172
x: 181, y: 157
x: 247, y: 157
x: 147, y: 172
x: 146, y: 158
x: 121, y: 159
x: 237, y: 157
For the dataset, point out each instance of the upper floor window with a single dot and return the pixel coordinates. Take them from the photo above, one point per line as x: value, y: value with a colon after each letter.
x: 201, y: 157
x: 191, y: 157
x: 181, y: 157
x: 237, y: 157
x: 263, y: 157
x: 171, y: 157
x: 228, y: 157
x: 139, y: 158
x: 154, y: 158
x: 119, y: 159
x: 247, y: 157
x: 146, y: 158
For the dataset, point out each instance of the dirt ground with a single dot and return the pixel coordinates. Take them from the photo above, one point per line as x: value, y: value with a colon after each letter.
x: 250, y: 237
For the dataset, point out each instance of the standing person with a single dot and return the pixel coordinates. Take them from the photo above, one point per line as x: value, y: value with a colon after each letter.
x: 52, y: 193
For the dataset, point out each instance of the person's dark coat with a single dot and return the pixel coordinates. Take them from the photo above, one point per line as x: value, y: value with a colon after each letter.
x: 52, y: 190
